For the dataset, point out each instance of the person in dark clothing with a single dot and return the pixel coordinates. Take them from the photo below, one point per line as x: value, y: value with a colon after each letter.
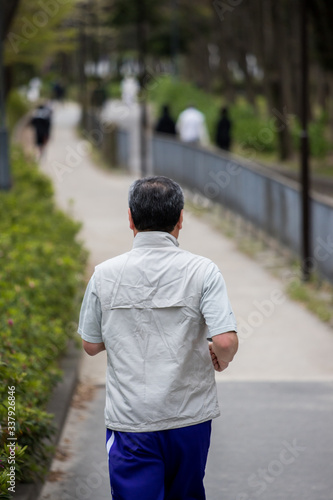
x: 41, y: 122
x: 223, y: 130
x: 59, y: 91
x: 165, y: 124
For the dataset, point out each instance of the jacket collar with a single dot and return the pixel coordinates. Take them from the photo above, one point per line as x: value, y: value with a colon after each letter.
x: 154, y: 239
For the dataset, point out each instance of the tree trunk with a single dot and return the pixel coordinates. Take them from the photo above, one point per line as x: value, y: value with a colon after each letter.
x: 249, y: 87
x: 321, y: 87
x: 277, y: 73
x: 9, y: 11
x: 229, y: 87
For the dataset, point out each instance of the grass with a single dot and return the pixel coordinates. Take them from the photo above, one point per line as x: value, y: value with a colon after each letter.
x: 318, y: 301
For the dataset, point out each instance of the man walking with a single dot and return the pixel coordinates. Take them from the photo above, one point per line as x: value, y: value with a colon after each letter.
x: 152, y: 309
x: 41, y: 122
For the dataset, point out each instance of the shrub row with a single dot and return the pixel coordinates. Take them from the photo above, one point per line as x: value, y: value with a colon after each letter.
x: 41, y: 282
x: 17, y: 107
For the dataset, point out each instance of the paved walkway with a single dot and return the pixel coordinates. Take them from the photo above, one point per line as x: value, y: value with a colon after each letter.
x: 275, y: 438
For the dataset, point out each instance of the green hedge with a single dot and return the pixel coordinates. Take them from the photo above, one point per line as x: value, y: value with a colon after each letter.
x: 41, y: 284
x: 17, y: 106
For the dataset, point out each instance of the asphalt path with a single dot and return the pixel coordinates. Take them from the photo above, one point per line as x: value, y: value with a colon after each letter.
x: 274, y: 439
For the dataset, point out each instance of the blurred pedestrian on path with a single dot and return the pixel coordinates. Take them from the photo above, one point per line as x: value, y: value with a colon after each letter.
x: 98, y: 95
x: 129, y: 90
x: 166, y: 124
x: 223, y: 130
x: 41, y: 122
x: 34, y: 88
x: 58, y: 91
x: 152, y: 310
x: 191, y: 126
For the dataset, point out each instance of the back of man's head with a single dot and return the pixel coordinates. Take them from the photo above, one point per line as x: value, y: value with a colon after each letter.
x: 155, y: 203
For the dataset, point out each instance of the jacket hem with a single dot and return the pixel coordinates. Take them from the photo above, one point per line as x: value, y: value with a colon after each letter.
x: 175, y: 423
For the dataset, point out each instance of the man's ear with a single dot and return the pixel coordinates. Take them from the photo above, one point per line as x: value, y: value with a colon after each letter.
x: 180, y: 221
x: 130, y: 218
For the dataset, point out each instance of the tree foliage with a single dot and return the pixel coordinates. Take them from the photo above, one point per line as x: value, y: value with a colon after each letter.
x: 226, y: 47
x: 37, y: 32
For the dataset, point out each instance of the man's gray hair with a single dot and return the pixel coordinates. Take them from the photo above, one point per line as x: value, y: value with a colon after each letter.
x: 155, y: 203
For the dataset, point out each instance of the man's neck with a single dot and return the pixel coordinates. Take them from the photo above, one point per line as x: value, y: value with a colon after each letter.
x: 174, y: 233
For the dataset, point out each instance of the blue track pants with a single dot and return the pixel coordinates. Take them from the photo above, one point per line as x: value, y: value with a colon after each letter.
x: 162, y: 465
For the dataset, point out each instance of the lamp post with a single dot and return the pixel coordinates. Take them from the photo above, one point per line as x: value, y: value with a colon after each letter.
x: 142, y: 51
x: 5, y: 180
x: 175, y: 38
x: 82, y: 54
x: 305, y: 177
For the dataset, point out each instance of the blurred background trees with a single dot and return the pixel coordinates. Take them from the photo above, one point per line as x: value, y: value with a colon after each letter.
x: 36, y: 33
x: 235, y: 50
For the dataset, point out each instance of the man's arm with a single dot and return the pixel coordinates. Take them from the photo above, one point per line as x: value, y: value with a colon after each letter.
x: 223, y: 349
x: 93, y: 348
x: 90, y: 320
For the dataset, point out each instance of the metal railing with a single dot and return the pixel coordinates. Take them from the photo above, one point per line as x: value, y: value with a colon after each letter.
x: 268, y: 200
x: 123, y: 147
x: 112, y: 141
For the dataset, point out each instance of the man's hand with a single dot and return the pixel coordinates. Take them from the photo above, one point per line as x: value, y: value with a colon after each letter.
x: 223, y: 349
x: 215, y: 361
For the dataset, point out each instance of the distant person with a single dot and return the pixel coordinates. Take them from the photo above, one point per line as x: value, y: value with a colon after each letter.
x: 191, y: 126
x: 59, y: 91
x: 166, y: 124
x: 98, y: 96
x: 223, y: 130
x: 41, y: 122
x: 129, y: 90
x: 34, y: 87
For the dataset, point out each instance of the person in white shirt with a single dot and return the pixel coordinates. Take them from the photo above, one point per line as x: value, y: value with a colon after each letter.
x: 191, y: 126
x: 129, y: 90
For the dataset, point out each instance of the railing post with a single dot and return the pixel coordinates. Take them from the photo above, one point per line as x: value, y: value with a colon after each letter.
x: 305, y: 178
